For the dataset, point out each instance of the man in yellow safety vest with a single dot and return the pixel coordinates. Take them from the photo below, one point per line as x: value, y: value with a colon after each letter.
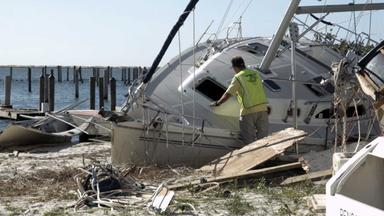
x: 248, y: 87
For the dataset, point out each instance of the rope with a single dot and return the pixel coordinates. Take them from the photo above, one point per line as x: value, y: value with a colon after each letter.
x: 194, y: 77
x: 354, y: 23
x: 181, y: 89
x: 370, y: 26
x: 224, y: 18
x: 358, y: 125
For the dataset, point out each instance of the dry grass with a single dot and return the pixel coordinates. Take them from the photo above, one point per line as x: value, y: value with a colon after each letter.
x: 43, y: 184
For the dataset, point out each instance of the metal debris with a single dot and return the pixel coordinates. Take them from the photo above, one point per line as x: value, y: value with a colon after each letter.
x: 161, y: 199
x: 104, y: 186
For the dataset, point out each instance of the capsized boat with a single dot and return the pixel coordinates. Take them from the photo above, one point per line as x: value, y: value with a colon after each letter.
x: 62, y: 126
x: 19, y: 135
x: 173, y: 123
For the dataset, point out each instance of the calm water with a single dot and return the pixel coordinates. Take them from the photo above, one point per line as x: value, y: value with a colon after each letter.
x: 64, y: 92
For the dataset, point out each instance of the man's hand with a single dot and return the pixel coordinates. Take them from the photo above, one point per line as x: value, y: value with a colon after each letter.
x: 214, y: 104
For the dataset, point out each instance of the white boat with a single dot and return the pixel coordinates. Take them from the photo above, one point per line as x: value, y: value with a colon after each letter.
x: 357, y: 188
x: 172, y: 121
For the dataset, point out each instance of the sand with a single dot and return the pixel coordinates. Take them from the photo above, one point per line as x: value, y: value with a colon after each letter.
x: 40, y: 182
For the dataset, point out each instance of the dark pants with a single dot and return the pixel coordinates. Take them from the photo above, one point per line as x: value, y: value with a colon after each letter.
x: 254, y: 126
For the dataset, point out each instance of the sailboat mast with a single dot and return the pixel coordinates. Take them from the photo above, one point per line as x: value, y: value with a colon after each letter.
x: 271, y: 52
x: 169, y: 39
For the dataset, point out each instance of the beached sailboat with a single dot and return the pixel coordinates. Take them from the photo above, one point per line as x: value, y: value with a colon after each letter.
x: 172, y: 122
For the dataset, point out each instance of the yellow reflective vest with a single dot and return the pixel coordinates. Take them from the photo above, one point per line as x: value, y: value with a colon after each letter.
x: 252, y: 93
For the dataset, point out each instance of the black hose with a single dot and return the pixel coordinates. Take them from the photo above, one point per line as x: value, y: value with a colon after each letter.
x: 169, y: 39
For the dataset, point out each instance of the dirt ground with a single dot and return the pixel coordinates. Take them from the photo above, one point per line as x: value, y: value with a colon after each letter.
x: 40, y: 182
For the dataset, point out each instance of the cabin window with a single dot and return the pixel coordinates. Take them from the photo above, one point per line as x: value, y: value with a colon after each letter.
x: 327, y: 113
x: 376, y: 68
x: 271, y: 85
x: 320, y: 90
x: 211, y: 89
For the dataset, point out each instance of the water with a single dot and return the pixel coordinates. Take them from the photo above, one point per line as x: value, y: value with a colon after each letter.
x: 64, y: 92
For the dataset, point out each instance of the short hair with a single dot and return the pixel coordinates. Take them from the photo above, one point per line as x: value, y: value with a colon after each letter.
x: 238, y: 61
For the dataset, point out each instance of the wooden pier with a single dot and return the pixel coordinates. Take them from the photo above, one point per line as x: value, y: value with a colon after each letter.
x: 102, y: 76
x: 18, y: 114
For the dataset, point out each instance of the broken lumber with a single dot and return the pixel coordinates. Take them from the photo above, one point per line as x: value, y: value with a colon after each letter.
x: 254, y: 154
x: 310, y: 176
x: 247, y: 174
x: 317, y: 202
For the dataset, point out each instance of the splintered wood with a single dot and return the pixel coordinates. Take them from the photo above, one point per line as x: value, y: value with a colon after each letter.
x: 255, y: 153
x: 240, y: 175
x: 310, y: 176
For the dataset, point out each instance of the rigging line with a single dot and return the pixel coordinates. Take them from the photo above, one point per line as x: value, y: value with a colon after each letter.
x: 204, y: 33
x: 245, y: 9
x: 239, y: 20
x: 370, y: 26
x: 358, y: 125
x: 181, y: 89
x: 194, y: 74
x: 349, y: 27
x: 306, y: 19
x: 323, y: 9
x: 339, y: 24
x: 237, y: 10
x: 355, y: 24
x: 224, y: 18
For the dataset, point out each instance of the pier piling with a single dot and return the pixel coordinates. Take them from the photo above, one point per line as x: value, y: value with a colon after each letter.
x: 113, y: 94
x: 29, y: 79
x: 76, y: 78
x: 59, y: 74
x: 129, y: 75
x: 80, y: 76
x: 97, y: 76
x: 46, y: 81
x: 41, y: 90
x: 101, y: 92
x: 74, y: 74
x: 51, y: 92
x: 7, y: 91
x: 92, y: 90
x: 106, y: 79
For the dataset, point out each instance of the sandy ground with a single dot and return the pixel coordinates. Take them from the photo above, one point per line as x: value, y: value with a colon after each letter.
x: 40, y: 182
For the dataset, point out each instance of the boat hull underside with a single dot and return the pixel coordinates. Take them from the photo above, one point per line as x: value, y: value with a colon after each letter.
x: 133, y: 144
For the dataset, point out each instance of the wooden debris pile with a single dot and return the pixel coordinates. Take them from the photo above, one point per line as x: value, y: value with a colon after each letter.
x: 244, y: 162
x: 104, y: 186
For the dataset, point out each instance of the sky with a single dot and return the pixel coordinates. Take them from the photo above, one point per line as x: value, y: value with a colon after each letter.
x: 128, y: 32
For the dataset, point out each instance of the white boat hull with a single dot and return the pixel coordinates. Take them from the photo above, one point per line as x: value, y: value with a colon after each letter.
x: 357, y: 188
x: 132, y: 143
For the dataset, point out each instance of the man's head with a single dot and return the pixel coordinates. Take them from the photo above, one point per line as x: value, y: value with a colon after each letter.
x: 238, y: 64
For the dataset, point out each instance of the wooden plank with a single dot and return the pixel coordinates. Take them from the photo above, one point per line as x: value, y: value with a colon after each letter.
x: 162, y: 199
x: 255, y: 153
x: 247, y: 174
x: 310, y: 176
x: 317, y: 202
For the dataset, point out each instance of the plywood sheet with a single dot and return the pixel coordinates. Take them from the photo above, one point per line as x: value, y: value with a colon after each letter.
x: 255, y: 153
